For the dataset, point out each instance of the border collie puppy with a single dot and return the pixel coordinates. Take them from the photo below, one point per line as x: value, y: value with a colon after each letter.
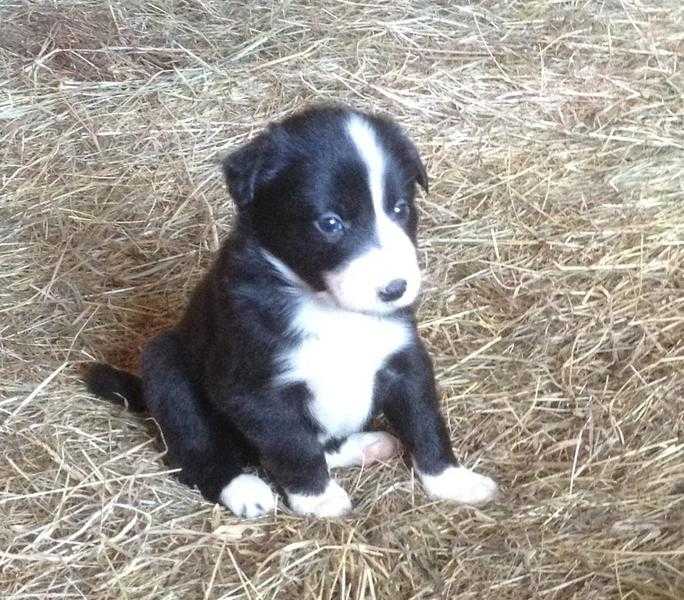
x: 303, y: 330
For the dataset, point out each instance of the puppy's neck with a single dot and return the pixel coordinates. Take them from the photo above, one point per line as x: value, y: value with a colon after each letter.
x: 297, y: 286
x: 286, y: 273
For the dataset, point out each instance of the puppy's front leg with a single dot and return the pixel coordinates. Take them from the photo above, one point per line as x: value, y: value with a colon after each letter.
x: 290, y: 450
x: 412, y: 407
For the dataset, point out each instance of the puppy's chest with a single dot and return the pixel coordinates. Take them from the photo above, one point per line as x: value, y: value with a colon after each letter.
x: 338, y: 357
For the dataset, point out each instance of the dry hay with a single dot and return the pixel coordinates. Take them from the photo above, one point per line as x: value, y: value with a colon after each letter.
x: 554, y: 243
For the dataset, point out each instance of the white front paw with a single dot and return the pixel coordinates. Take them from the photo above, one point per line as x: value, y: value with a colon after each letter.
x: 248, y: 496
x: 461, y: 485
x: 333, y: 502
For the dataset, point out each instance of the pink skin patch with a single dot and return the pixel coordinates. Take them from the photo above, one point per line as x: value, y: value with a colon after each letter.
x: 364, y: 448
x: 383, y: 448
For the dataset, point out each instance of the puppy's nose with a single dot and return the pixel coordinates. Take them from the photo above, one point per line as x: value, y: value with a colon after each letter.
x: 393, y: 290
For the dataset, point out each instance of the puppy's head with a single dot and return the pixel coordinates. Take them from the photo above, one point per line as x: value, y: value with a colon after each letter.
x: 329, y: 194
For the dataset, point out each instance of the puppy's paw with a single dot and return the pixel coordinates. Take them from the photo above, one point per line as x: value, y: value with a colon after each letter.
x: 363, y: 449
x: 333, y: 502
x: 461, y: 485
x: 248, y: 496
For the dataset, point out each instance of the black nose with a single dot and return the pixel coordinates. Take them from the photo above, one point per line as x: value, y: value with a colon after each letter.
x: 393, y: 290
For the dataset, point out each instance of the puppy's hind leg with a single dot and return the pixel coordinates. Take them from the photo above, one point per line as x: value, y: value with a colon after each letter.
x: 364, y: 448
x: 199, y: 441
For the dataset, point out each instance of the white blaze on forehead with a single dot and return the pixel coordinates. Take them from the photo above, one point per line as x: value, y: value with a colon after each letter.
x: 363, y: 137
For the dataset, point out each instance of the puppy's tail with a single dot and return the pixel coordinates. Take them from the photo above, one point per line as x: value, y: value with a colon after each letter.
x: 115, y: 385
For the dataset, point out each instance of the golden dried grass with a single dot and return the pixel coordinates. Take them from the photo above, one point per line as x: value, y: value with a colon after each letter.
x: 553, y: 238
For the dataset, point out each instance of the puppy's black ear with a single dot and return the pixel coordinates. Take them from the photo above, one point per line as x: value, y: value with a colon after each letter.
x: 248, y: 167
x: 401, y: 144
x: 420, y: 173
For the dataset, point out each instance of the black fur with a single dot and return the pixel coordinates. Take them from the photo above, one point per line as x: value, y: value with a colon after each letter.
x: 209, y: 382
x: 116, y: 386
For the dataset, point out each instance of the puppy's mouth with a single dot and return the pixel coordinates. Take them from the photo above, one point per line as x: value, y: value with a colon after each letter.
x: 358, y: 287
x: 360, y: 295
x: 382, y: 309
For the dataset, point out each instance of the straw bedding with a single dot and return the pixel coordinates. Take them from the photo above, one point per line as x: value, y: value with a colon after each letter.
x: 553, y: 241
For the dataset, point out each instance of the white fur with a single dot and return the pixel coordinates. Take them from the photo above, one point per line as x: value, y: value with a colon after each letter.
x: 248, y: 496
x: 285, y: 271
x: 363, y: 448
x: 363, y: 137
x: 459, y: 484
x: 357, y: 283
x: 333, y: 502
x: 338, y: 358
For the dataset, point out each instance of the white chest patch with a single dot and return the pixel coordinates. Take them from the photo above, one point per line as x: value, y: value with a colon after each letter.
x: 338, y: 358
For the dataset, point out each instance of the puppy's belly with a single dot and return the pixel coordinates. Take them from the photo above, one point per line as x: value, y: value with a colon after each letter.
x: 341, y: 391
x: 341, y: 403
x: 337, y: 358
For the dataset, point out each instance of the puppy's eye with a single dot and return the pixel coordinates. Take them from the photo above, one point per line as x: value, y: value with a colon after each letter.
x: 401, y: 208
x: 331, y: 225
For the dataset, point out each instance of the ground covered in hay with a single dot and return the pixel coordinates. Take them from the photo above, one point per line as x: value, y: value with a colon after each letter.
x: 553, y: 240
